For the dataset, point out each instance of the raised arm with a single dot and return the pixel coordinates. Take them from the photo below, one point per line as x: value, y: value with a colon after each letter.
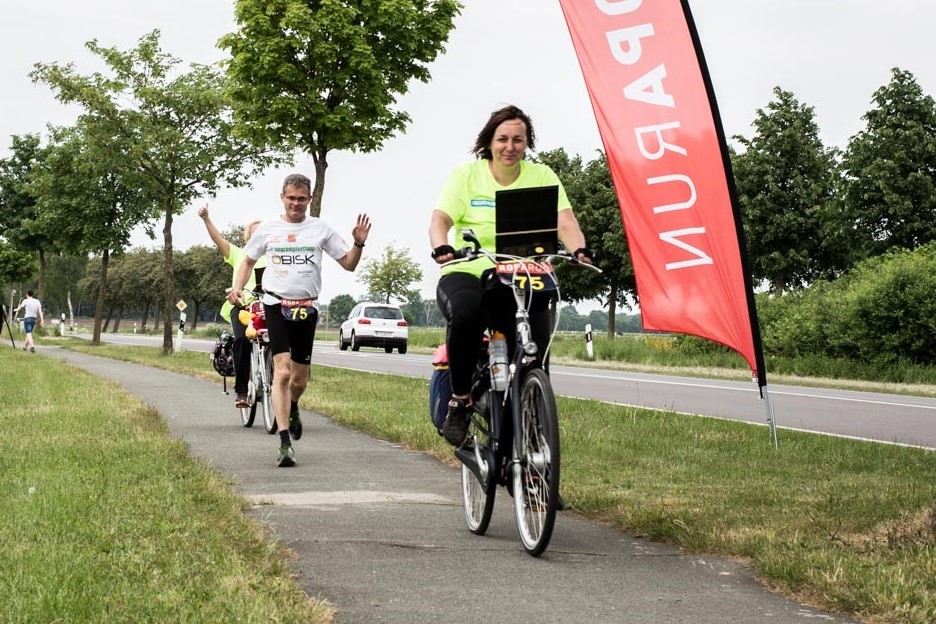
x: 223, y: 245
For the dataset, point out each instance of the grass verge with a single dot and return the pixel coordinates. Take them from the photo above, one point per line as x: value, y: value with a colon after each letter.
x: 844, y: 525
x: 107, y: 519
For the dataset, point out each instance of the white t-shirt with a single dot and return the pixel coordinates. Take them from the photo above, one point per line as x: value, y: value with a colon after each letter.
x: 294, y: 256
x: 30, y: 307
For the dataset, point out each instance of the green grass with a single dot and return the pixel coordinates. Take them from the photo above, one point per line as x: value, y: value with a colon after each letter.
x: 108, y: 519
x: 844, y: 525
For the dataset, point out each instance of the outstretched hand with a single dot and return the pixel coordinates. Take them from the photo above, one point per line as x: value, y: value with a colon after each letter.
x: 361, y: 229
x: 203, y: 212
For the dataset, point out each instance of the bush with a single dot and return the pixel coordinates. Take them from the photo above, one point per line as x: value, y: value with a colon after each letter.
x: 883, y: 311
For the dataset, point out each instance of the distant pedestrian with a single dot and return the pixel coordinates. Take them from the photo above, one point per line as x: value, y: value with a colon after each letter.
x: 32, y: 313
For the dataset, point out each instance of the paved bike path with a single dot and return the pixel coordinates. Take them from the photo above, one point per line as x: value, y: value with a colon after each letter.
x: 378, y: 531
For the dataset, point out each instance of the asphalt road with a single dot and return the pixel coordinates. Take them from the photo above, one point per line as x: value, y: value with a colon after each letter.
x: 379, y: 533
x: 865, y: 415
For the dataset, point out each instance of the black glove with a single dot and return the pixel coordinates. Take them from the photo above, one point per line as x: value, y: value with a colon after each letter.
x: 585, y: 251
x: 442, y: 250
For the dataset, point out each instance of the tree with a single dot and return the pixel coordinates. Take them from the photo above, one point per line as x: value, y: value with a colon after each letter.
x: 143, y: 281
x: 176, y: 131
x: 16, y: 267
x: 325, y: 75
x: 786, y: 181
x: 890, y: 187
x: 594, y: 200
x: 339, y: 308
x: 64, y: 272
x: 392, y: 275
x: 206, y: 278
x: 18, y: 209
x: 80, y: 175
x: 422, y: 312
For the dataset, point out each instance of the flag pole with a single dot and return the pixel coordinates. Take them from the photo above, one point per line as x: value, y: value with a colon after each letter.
x: 760, y: 372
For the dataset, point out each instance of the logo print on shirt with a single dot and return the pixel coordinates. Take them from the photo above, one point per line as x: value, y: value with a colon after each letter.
x: 290, y: 238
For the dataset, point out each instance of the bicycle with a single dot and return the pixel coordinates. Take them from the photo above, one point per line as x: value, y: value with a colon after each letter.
x: 260, y: 382
x: 513, y: 438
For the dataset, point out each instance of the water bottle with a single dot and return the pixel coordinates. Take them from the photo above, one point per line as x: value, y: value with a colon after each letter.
x: 497, y: 351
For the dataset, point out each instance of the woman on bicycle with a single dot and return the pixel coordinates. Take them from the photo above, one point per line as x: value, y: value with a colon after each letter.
x: 467, y: 200
x: 234, y: 256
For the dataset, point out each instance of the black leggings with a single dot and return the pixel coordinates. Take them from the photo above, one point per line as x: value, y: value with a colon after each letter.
x: 470, y: 308
x: 242, y: 347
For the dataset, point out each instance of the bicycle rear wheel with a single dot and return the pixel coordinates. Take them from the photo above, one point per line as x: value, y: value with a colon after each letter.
x: 265, y: 391
x: 477, y: 496
x: 247, y: 415
x: 536, y: 471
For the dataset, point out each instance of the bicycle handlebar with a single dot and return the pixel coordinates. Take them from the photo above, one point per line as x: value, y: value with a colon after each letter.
x: 467, y: 254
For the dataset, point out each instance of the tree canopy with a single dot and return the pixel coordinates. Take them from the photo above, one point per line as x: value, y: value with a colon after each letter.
x: 786, y: 182
x: 173, y: 128
x: 391, y: 275
x: 890, y: 185
x: 325, y: 75
x: 594, y: 201
x: 19, y: 212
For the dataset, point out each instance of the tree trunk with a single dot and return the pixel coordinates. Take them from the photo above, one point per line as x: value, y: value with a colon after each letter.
x: 102, y: 291
x: 146, y: 307
x: 612, y: 307
x: 117, y: 320
x: 320, y: 160
x: 170, y: 280
x: 71, y: 311
x: 40, y: 294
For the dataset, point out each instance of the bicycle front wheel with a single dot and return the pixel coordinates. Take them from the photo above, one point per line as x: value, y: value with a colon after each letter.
x: 265, y: 391
x: 249, y: 413
x: 478, y: 496
x: 536, y: 470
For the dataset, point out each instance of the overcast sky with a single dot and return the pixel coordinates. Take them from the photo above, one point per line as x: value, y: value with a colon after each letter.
x: 832, y: 54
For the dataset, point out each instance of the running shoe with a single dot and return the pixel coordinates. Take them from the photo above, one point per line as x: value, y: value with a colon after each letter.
x: 287, y: 456
x: 241, y: 400
x: 295, y: 424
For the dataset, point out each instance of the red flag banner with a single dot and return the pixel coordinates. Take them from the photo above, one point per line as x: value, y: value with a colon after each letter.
x: 657, y: 117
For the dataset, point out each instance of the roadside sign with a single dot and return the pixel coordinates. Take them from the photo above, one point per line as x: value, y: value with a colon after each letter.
x: 181, y: 305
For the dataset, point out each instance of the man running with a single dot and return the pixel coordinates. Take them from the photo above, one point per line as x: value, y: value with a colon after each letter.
x: 294, y: 245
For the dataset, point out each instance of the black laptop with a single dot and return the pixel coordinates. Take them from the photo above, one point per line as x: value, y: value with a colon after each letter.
x: 527, y: 221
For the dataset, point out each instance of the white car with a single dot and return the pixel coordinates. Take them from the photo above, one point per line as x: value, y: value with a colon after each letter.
x: 374, y: 325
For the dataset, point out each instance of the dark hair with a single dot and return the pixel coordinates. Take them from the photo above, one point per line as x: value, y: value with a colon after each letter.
x: 297, y: 180
x: 482, y: 146
x: 29, y: 293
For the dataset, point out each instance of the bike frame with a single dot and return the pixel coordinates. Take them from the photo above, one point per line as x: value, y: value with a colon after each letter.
x: 525, y: 358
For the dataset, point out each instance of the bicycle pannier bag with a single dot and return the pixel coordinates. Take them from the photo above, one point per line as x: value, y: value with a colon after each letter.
x: 222, y: 355
x: 440, y: 388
